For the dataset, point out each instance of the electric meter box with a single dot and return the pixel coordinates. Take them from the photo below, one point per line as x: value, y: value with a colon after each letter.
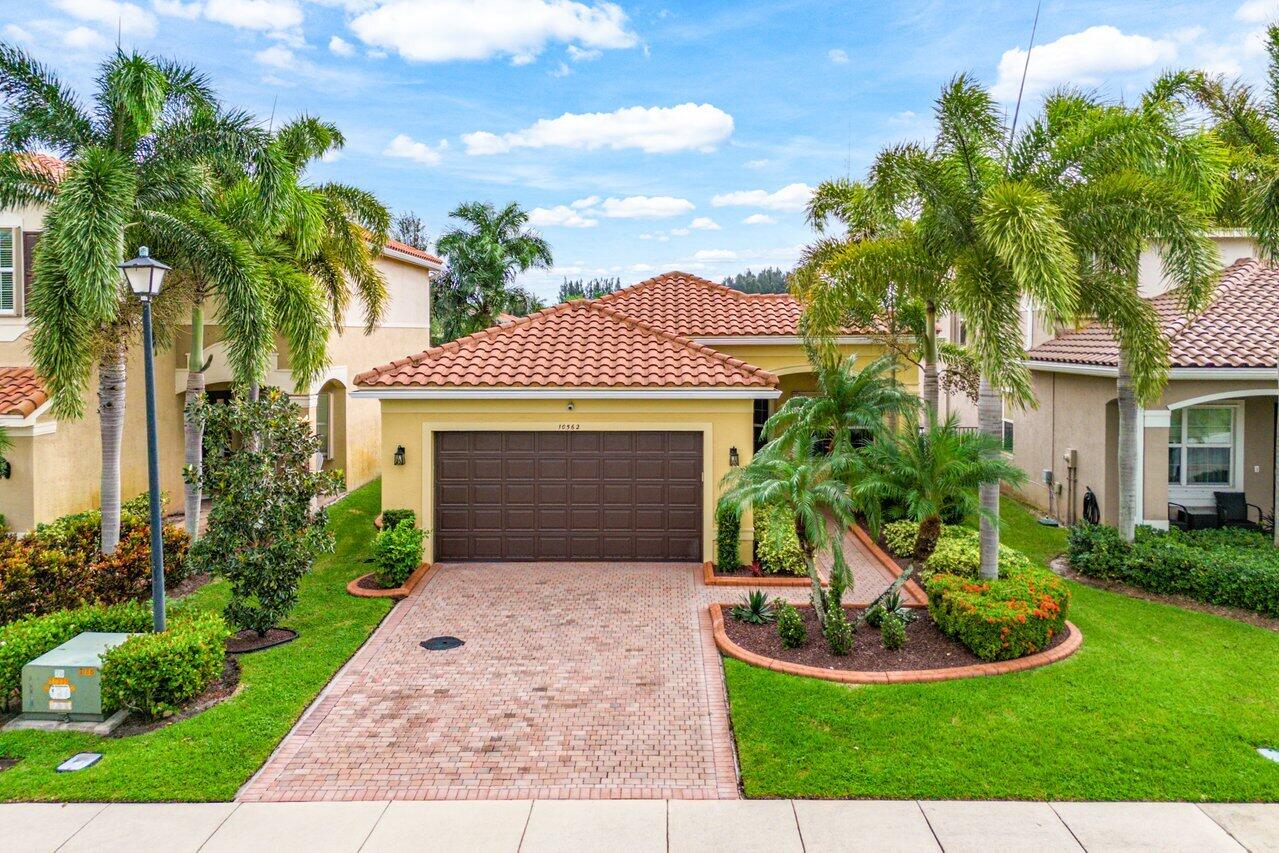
x: 66, y: 683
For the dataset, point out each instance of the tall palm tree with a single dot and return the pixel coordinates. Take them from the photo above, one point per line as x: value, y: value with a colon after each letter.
x: 807, y: 484
x: 929, y: 472
x: 135, y: 159
x: 485, y: 254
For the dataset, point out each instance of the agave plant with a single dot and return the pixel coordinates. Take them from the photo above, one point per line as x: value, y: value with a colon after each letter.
x: 756, y: 608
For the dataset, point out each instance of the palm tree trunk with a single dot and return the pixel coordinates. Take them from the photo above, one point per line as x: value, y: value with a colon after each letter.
x: 112, y: 374
x: 926, y: 540
x: 193, y: 429
x: 810, y: 565
x: 1129, y: 435
x: 932, y: 392
x: 990, y: 411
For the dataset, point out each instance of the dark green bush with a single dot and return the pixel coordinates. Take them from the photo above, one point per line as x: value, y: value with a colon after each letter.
x: 1002, y: 619
x: 777, y: 542
x: 397, y: 552
x: 26, y: 639
x: 790, y: 626
x: 892, y: 631
x: 1096, y: 550
x: 728, y: 533
x: 154, y: 675
x: 391, y: 518
x: 837, y: 630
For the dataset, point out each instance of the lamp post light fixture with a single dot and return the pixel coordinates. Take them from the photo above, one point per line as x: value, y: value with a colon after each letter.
x: 145, y: 275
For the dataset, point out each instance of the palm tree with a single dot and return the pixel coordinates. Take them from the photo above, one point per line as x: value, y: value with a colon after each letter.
x: 848, y: 400
x: 929, y: 472
x: 807, y: 484
x: 485, y: 254
x: 135, y: 160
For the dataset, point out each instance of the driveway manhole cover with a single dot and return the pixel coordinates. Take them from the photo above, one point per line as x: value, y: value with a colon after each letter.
x: 439, y: 644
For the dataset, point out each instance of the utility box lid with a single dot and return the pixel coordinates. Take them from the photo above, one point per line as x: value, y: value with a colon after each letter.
x: 66, y: 683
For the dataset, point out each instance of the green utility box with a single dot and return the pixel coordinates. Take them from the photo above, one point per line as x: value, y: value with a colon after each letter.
x: 66, y: 683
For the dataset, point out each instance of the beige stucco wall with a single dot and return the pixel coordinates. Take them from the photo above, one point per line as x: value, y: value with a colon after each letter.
x: 412, y: 423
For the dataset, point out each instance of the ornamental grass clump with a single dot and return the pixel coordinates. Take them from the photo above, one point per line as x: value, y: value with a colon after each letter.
x: 265, y: 527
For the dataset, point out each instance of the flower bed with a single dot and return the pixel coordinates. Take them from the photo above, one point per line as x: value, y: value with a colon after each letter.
x: 1021, y: 613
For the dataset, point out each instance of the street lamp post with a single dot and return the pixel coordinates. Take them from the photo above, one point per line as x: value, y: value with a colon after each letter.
x: 145, y: 275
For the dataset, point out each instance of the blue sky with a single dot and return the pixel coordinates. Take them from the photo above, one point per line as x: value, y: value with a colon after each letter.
x: 645, y: 136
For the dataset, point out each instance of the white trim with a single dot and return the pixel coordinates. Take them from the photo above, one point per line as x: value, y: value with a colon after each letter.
x: 390, y: 252
x: 16, y: 425
x: 1224, y: 395
x: 12, y: 328
x: 773, y: 340
x: 1156, y: 418
x: 1175, y: 373
x: 565, y: 393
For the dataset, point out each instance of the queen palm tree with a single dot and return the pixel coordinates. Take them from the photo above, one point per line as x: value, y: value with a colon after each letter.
x: 485, y: 253
x: 135, y: 159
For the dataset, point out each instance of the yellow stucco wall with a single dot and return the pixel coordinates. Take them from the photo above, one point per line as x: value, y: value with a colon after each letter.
x: 411, y: 423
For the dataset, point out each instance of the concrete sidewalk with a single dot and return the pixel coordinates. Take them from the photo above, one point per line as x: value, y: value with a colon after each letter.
x: 635, y: 826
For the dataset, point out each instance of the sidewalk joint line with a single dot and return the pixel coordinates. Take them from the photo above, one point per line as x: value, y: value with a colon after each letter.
x: 82, y: 826
x: 235, y: 807
x: 1069, y: 828
x: 527, y: 818
x: 798, y: 830
x: 929, y: 824
x: 378, y: 820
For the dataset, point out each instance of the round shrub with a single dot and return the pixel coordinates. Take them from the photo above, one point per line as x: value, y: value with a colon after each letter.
x: 154, y: 675
x: 1017, y: 615
x: 790, y: 626
x: 397, y: 552
x: 391, y: 518
x: 899, y: 537
x: 892, y: 631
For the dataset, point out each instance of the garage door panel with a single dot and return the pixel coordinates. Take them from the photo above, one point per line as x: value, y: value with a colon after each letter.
x: 568, y: 495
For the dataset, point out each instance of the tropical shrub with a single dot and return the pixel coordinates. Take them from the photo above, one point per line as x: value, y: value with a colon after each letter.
x: 837, y: 629
x: 265, y: 527
x: 26, y: 639
x: 391, y: 518
x: 960, y: 554
x: 755, y: 608
x: 154, y: 675
x: 890, y: 605
x: 899, y: 536
x: 777, y: 543
x: 397, y: 552
x: 1011, y: 617
x: 892, y: 632
x: 728, y: 532
x: 1097, y: 550
x: 790, y: 626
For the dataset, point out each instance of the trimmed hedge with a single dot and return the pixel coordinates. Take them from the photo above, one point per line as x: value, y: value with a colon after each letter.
x: 777, y: 543
x: 728, y: 533
x: 26, y: 639
x: 397, y: 551
x: 1230, y: 567
x: 154, y: 675
x: 959, y: 553
x: 1003, y: 619
x: 391, y: 518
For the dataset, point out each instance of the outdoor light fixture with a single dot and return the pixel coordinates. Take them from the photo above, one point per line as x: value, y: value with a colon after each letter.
x: 399, y: 454
x: 144, y: 275
x: 733, y: 458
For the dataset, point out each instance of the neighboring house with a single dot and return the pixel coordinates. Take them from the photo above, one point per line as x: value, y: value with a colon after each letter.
x: 54, y: 465
x: 1213, y: 429
x: 594, y: 430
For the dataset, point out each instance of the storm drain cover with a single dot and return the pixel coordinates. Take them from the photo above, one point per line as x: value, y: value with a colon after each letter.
x: 439, y: 644
x: 1267, y: 752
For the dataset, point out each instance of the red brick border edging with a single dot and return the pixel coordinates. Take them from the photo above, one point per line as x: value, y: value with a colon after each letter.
x: 711, y: 579
x: 1056, y: 653
x: 396, y: 592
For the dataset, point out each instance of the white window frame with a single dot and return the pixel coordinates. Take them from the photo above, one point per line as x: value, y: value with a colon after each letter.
x: 1201, y: 494
x: 14, y: 270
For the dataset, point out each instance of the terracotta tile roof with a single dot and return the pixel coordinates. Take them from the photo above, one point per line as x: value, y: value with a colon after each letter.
x: 412, y: 250
x: 21, y: 391
x: 1239, y: 328
x: 581, y: 344
x: 55, y: 166
x: 693, y: 307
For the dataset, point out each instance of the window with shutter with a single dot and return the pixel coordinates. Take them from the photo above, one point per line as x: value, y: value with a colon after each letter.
x: 8, y: 271
x: 29, y: 239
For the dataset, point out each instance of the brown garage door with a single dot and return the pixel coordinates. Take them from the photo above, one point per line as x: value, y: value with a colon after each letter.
x: 568, y: 496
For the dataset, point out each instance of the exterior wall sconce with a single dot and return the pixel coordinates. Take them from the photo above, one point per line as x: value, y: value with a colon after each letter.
x: 733, y: 459
x: 399, y: 454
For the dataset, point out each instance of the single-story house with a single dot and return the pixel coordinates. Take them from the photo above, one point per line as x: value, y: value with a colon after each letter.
x: 593, y: 430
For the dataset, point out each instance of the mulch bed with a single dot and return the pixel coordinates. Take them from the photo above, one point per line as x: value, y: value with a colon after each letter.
x: 6, y: 763
x: 369, y: 581
x: 248, y: 641
x: 926, y: 646
x: 189, y: 585
x: 222, y: 689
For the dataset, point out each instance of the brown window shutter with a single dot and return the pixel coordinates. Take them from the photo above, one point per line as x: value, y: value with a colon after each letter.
x: 29, y: 239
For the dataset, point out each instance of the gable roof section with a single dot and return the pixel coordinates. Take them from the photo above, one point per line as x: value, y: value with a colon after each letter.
x: 583, y: 344
x: 692, y: 307
x: 1238, y: 329
x: 21, y: 391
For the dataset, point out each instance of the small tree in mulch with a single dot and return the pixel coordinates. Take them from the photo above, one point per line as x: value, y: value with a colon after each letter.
x: 265, y: 527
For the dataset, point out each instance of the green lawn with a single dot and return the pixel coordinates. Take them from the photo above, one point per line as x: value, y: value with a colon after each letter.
x: 1159, y: 704
x: 209, y: 756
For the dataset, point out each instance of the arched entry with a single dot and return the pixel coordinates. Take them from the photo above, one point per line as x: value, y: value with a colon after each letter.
x: 330, y: 424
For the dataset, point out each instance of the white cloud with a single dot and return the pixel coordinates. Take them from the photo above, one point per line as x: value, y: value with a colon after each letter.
x: 276, y: 57
x: 341, y: 46
x: 129, y: 17
x: 560, y: 215
x: 271, y: 15
x: 704, y: 223
x: 761, y: 163
x: 83, y: 38
x: 17, y: 33
x: 178, y: 9
x: 448, y: 30
x: 655, y: 130
x: 679, y: 232
x: 714, y: 255
x: 561, y: 70
x: 644, y: 207
x: 640, y: 268
x: 407, y: 148
x: 837, y: 56
x: 789, y: 198
x: 578, y: 54
x: 1085, y: 58
x: 759, y: 219
x: 1258, y: 11
x: 589, y: 201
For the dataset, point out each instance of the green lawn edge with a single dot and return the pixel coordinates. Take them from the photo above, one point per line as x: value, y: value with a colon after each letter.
x: 209, y: 756
x: 1160, y: 703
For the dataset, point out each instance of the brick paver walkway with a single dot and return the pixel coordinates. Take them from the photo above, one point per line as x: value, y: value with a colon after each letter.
x: 577, y: 680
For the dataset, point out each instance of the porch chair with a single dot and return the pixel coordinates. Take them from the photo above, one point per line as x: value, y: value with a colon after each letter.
x: 1232, y: 510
